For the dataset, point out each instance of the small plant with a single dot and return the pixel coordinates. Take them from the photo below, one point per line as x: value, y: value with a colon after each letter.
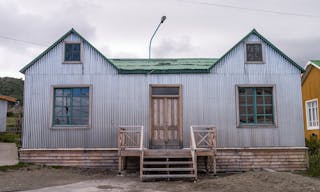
x: 14, y: 167
x: 10, y: 138
x: 313, y: 145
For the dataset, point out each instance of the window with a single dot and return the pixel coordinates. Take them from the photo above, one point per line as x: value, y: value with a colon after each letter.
x: 312, y: 114
x: 72, y: 52
x: 254, y: 53
x: 165, y: 90
x: 71, y: 106
x: 255, y: 106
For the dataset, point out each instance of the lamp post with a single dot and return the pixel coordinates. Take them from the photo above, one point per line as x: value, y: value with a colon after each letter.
x: 163, y: 18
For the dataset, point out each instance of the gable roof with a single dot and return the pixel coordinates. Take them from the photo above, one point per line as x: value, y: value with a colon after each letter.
x: 315, y: 63
x: 311, y: 64
x: 255, y: 32
x: 160, y: 66
x: 8, y: 98
x: 23, y: 70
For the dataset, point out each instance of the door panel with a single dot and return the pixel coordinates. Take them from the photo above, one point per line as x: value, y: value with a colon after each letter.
x: 165, y: 121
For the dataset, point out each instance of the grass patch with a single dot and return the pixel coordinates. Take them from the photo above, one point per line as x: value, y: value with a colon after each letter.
x: 313, y: 145
x: 10, y: 138
x: 56, y: 166
x: 11, y: 121
x: 14, y: 167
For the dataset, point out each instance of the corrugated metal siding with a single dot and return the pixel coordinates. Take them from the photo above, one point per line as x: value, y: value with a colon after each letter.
x: 124, y: 100
x: 3, y: 115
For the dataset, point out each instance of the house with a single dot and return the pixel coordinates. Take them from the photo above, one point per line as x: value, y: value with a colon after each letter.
x: 310, y: 98
x: 79, y: 106
x: 3, y: 111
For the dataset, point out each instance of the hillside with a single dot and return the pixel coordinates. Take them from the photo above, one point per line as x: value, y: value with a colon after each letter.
x: 11, y: 87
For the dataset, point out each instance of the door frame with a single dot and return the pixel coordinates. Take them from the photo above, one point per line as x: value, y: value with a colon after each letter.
x: 180, y: 115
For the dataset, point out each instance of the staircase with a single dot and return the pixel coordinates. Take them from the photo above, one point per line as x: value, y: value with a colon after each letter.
x: 167, y: 165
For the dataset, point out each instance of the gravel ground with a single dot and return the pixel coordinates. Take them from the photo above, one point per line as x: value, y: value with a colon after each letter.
x: 37, y: 177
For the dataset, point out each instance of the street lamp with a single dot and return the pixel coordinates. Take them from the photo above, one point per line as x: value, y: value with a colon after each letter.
x: 163, y: 18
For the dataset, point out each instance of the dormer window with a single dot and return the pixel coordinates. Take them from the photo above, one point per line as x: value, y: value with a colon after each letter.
x: 72, y: 52
x: 254, y: 52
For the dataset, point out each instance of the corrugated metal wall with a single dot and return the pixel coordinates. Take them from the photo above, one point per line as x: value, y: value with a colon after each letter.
x: 3, y: 115
x: 124, y: 100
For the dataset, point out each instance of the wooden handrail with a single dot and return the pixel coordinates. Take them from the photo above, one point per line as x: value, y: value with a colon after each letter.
x: 130, y: 137
x: 203, y: 137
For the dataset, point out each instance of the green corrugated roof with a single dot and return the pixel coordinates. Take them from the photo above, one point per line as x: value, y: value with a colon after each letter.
x: 316, y: 62
x: 171, y: 65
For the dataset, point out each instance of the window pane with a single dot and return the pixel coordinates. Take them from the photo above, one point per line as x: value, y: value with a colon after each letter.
x: 250, y: 119
x: 242, y: 100
x: 60, y: 121
x: 268, y: 110
x: 84, y: 101
x: 243, y: 119
x: 268, y: 99
x: 76, y: 101
x: 260, y: 110
x: 267, y: 91
x: 165, y: 91
x: 260, y: 119
x: 269, y: 119
x: 67, y: 92
x: 259, y: 91
x: 259, y: 100
x: 242, y: 91
x: 249, y: 91
x: 59, y: 92
x: 254, y: 52
x: 250, y: 110
x: 85, y: 91
x: 242, y: 110
x: 250, y: 100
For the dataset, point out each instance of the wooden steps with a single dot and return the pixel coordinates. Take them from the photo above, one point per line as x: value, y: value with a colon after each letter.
x: 165, y: 165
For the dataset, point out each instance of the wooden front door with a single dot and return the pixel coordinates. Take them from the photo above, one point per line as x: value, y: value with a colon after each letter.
x: 166, y: 116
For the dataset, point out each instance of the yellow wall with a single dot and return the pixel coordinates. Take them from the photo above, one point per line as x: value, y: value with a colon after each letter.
x: 311, y: 90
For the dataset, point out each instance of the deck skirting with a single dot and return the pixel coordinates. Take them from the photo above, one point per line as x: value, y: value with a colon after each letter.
x: 228, y: 159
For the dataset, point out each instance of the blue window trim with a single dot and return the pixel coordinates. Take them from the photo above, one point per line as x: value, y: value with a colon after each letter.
x: 70, y: 124
x: 255, y: 105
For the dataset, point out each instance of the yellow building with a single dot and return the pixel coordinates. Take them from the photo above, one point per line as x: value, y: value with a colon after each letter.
x: 311, y: 97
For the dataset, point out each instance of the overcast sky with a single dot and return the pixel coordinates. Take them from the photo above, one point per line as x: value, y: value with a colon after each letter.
x: 122, y: 28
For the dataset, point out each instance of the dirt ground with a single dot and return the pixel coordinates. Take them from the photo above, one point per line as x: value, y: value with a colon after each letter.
x: 36, y: 177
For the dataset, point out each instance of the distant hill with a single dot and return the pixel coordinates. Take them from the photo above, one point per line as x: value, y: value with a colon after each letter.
x: 11, y: 87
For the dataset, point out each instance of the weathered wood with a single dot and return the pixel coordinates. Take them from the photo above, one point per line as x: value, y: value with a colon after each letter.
x: 167, y: 176
x: 236, y: 159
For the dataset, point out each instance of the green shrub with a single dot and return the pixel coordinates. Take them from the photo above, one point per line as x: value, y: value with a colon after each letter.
x: 14, y: 167
x: 313, y: 145
x: 10, y: 138
x: 10, y: 114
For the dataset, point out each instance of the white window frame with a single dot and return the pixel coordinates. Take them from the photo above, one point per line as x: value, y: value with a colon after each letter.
x: 64, y: 51
x: 51, y: 126
x: 245, y: 53
x: 314, y: 122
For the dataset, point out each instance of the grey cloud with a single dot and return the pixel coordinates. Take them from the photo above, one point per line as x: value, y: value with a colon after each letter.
x: 181, y: 47
x: 39, y: 28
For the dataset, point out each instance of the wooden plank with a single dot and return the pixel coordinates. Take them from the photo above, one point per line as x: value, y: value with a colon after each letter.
x: 166, y: 162
x: 168, y: 169
x: 164, y: 176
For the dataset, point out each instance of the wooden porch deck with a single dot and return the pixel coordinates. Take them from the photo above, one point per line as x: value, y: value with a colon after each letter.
x: 168, y: 163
